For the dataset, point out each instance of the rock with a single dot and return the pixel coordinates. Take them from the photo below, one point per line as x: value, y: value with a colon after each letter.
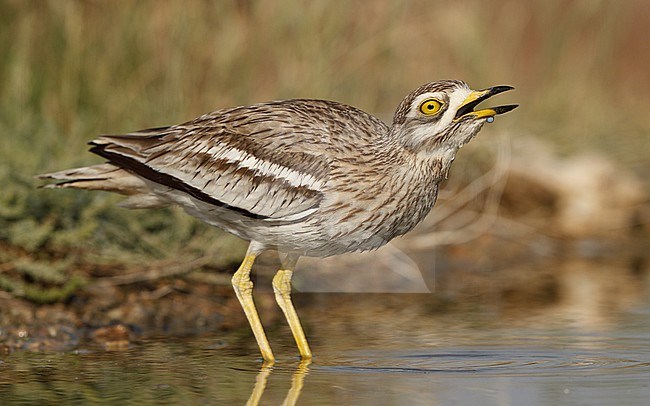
x: 584, y: 195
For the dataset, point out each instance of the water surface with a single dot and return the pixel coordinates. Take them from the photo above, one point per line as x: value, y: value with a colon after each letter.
x: 460, y: 359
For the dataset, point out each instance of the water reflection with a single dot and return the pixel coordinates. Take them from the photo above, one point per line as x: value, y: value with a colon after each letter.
x: 443, y: 362
x: 260, y: 385
x: 297, y: 382
x: 591, y: 345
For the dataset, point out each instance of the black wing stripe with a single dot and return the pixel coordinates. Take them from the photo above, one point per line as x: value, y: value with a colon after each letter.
x: 165, y: 179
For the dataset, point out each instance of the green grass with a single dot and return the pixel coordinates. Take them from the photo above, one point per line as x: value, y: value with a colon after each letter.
x: 70, y: 70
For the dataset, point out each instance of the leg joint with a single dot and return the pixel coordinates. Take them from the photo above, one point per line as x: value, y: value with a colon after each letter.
x: 282, y: 283
x: 242, y: 284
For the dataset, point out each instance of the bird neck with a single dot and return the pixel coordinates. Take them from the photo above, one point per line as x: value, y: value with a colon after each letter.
x: 437, y: 161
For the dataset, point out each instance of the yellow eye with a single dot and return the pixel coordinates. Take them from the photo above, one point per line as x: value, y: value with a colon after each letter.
x: 430, y: 106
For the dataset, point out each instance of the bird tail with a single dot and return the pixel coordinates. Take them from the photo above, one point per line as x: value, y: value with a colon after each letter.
x: 109, y: 178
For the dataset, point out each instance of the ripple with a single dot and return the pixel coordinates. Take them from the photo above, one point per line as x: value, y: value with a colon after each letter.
x: 488, y: 362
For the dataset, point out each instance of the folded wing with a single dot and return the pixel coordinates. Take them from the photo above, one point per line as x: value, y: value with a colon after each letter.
x: 218, y: 165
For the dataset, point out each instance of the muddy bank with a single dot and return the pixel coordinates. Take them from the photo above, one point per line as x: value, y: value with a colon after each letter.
x: 110, y: 313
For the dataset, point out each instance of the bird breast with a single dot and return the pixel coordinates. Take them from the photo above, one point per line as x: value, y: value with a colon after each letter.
x: 379, y: 206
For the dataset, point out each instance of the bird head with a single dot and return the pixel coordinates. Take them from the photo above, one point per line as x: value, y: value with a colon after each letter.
x: 440, y: 117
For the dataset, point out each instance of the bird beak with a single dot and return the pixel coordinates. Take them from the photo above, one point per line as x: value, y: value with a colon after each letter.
x: 477, y: 96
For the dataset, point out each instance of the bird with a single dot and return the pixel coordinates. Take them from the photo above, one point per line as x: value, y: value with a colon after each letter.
x: 305, y: 177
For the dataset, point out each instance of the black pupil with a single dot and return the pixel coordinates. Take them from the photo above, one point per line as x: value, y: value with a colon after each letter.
x: 430, y: 106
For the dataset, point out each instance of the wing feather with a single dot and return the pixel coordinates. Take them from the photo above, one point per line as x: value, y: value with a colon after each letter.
x: 266, y: 161
x: 206, y: 166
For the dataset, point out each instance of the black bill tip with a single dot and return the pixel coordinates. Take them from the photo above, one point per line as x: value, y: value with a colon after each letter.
x: 505, y: 109
x: 499, y: 89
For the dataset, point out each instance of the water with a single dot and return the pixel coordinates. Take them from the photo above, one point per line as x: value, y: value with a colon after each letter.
x: 394, y: 358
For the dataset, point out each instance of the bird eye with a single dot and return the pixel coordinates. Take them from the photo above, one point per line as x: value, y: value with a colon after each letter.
x: 430, y: 106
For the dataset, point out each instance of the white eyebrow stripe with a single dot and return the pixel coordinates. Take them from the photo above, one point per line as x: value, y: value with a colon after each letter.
x: 456, y: 98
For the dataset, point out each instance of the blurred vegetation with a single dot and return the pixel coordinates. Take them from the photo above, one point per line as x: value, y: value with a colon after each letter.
x: 70, y: 70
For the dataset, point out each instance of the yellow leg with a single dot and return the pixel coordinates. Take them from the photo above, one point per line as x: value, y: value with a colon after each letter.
x: 243, y: 285
x: 282, y: 289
